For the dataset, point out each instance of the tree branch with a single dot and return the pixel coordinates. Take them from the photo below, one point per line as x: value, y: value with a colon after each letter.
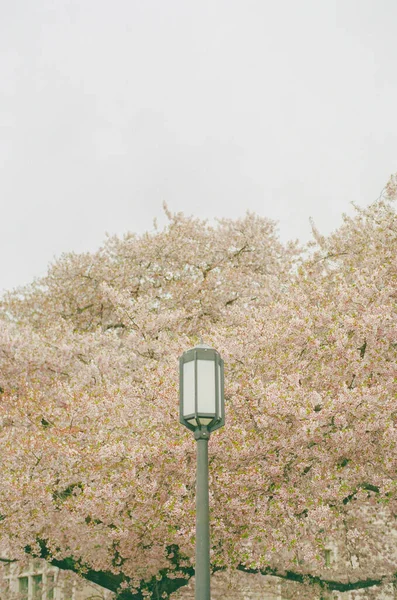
x: 160, y: 586
x: 164, y: 584
x: 328, y: 584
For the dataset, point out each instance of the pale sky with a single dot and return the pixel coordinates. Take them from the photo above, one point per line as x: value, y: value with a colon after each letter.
x: 287, y: 108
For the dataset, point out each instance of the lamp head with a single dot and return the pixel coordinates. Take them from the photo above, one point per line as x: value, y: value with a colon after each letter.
x: 201, y: 388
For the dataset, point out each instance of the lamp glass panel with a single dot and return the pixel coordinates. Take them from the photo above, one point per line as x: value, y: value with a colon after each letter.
x: 206, y: 420
x: 188, y: 388
x: 219, y: 390
x: 193, y: 421
x: 206, y: 386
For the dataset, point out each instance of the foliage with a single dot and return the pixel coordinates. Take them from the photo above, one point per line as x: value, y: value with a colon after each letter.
x: 95, y: 466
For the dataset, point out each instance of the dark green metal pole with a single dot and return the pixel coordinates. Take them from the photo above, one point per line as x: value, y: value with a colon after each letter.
x: 202, y: 572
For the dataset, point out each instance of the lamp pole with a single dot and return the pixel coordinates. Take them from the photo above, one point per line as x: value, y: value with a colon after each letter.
x: 202, y: 410
x: 202, y: 571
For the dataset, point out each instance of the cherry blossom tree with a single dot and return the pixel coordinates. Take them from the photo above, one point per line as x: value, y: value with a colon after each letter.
x: 99, y: 477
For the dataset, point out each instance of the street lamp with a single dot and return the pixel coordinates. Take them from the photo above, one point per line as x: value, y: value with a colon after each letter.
x: 202, y: 409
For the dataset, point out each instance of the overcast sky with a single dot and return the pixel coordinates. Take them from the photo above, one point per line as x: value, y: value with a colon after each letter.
x: 287, y: 108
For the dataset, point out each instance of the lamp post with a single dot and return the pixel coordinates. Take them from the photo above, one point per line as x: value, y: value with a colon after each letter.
x: 202, y: 410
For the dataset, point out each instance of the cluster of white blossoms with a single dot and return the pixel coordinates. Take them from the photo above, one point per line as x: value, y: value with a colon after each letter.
x: 95, y: 465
